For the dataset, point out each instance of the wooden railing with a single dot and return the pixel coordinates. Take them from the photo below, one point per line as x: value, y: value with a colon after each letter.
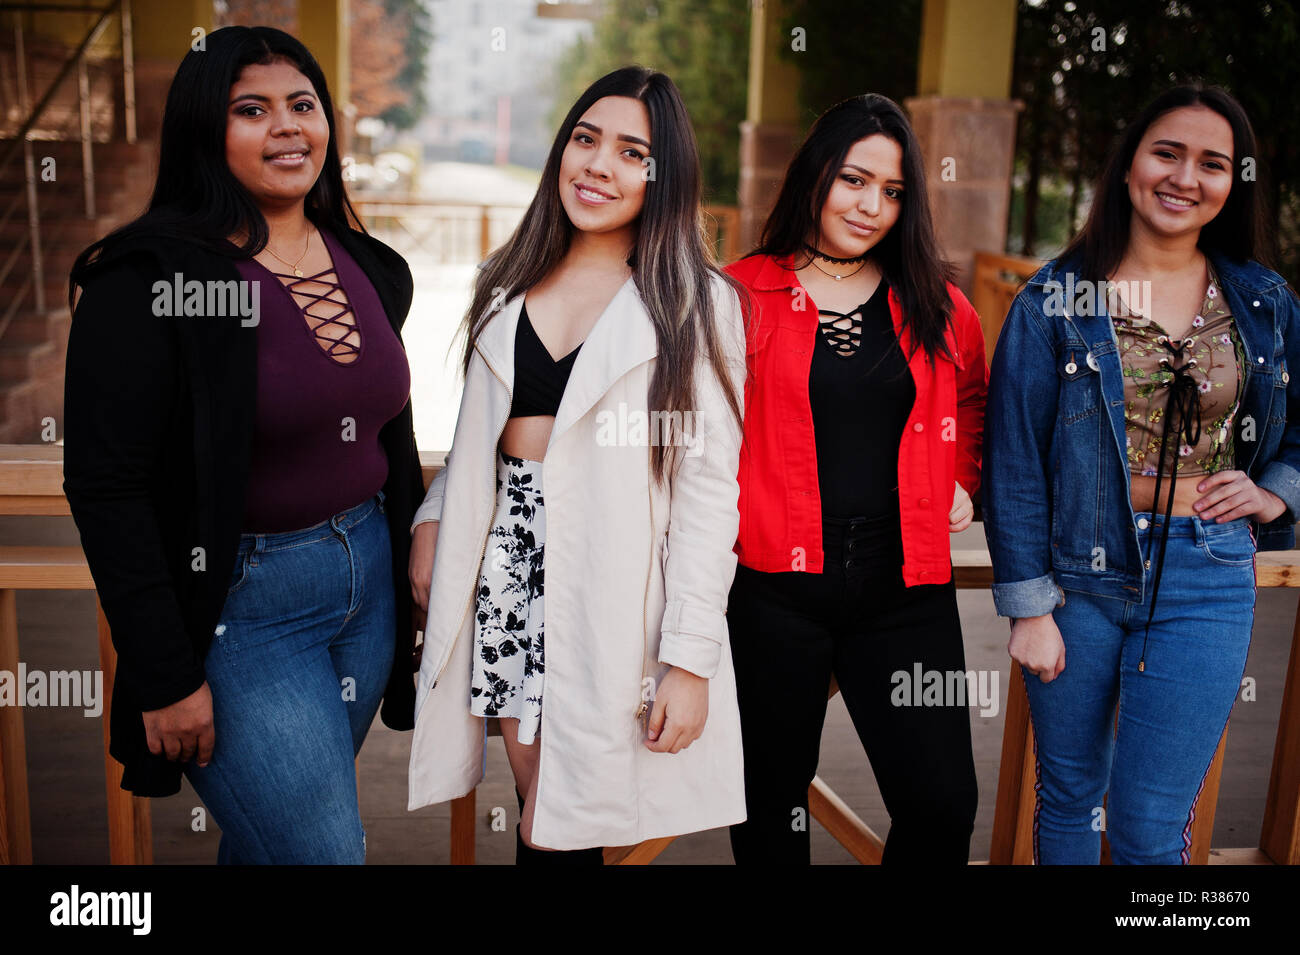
x: 997, y: 279
x: 31, y: 480
x: 447, y: 232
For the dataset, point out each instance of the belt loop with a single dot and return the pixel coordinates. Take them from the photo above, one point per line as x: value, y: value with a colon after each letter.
x: 259, y: 545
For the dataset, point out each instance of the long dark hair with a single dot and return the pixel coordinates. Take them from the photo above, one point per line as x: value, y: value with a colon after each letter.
x: 673, y: 263
x: 1238, y: 231
x: 908, y: 255
x: 196, y: 198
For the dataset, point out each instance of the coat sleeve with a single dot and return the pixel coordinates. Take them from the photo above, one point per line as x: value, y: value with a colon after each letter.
x: 1017, y: 487
x: 1282, y: 474
x: 431, y: 508
x: 704, y: 519
x: 121, y: 383
x: 972, y: 393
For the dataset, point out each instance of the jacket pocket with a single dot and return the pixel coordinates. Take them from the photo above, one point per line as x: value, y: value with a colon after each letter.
x: 1080, y: 384
x: 1080, y: 459
x: 1229, y: 544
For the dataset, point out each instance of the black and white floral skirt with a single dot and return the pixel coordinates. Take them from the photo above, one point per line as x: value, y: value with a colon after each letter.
x: 507, y: 669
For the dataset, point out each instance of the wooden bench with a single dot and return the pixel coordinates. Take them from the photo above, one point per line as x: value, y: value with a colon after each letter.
x: 31, y: 481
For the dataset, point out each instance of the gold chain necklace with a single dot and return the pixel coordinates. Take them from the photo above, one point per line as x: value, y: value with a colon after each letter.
x: 294, y: 265
x: 839, y: 278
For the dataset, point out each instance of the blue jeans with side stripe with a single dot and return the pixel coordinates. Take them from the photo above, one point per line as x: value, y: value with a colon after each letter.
x: 1171, y: 715
x: 297, y: 669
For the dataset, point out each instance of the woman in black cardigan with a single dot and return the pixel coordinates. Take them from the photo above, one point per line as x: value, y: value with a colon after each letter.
x: 244, y: 493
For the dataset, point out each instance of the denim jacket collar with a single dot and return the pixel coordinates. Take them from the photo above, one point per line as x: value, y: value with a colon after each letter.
x: 1248, y: 276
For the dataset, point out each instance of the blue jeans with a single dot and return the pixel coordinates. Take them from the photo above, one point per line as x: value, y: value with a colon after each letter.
x: 1171, y: 716
x: 297, y: 669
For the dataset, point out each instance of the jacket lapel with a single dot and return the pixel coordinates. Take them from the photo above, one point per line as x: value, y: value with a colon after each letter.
x: 622, y: 338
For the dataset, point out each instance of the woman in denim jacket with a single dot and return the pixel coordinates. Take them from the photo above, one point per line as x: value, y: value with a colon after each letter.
x: 1138, y: 452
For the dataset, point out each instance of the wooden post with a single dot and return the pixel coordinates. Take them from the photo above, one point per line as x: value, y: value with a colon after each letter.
x: 1280, y: 835
x: 130, y: 831
x: 844, y: 824
x: 463, y: 825
x: 4, y: 819
x: 643, y: 853
x: 484, y: 233
x: 1203, y: 824
x: 1013, y: 814
x: 14, y: 806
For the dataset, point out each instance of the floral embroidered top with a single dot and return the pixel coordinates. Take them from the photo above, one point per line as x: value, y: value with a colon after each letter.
x: 1211, y: 354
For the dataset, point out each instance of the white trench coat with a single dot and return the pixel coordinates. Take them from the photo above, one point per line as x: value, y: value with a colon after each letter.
x: 637, y: 578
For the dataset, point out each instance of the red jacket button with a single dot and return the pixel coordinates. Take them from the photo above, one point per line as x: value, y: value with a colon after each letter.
x: 918, y: 427
x: 925, y: 502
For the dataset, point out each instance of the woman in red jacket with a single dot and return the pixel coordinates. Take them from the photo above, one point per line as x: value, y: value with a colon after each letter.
x: 864, y: 415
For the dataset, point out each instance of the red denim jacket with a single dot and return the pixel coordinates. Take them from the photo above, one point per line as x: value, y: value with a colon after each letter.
x: 780, y: 504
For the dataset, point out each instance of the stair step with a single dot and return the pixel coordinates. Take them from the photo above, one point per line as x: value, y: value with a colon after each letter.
x: 20, y: 361
x: 25, y: 405
x: 28, y: 328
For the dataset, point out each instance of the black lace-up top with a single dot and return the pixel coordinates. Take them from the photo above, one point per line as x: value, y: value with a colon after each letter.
x: 861, y: 393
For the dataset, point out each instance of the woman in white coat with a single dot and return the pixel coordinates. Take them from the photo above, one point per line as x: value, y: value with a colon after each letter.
x: 617, y: 702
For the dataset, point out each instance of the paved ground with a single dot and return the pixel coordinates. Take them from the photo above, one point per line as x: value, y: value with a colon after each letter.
x: 57, y: 631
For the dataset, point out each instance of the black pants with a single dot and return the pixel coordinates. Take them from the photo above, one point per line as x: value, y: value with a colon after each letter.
x: 789, y: 633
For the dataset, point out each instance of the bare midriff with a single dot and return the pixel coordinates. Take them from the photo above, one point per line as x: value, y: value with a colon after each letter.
x: 527, y: 437
x: 1143, y: 493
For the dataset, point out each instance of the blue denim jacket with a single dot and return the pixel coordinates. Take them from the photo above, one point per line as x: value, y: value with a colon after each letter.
x: 1056, y: 479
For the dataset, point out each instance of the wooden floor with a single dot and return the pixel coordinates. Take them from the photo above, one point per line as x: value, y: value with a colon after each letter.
x: 57, y: 631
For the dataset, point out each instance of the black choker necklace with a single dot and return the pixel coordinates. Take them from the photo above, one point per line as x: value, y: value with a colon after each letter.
x: 831, y: 258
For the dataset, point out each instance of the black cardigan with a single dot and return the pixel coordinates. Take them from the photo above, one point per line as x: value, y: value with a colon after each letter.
x: 158, y: 424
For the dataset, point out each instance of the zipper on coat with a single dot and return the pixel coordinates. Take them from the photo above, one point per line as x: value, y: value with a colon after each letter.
x: 643, y: 706
x: 487, y: 531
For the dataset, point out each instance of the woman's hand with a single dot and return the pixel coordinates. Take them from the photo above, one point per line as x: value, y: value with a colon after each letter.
x: 183, y: 729
x: 1036, y: 644
x: 963, y: 510
x: 1232, y: 494
x: 680, y: 710
x: 420, y: 567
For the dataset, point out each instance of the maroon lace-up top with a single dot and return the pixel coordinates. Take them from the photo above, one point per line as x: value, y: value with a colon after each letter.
x: 330, y: 373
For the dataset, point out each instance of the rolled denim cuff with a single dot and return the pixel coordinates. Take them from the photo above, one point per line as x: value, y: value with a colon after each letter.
x: 1028, y: 598
x: 1284, y: 481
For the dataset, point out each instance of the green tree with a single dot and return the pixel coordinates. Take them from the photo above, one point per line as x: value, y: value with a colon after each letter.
x: 1085, y: 68
x: 703, y: 46
x: 417, y: 27
x: 851, y: 49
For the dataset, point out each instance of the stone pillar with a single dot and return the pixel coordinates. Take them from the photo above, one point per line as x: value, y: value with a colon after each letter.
x: 771, y: 131
x: 966, y: 123
x: 162, y: 31
x: 968, y: 145
x: 323, y: 29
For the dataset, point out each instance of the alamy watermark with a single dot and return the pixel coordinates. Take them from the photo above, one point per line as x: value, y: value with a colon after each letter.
x: 209, y: 299
x: 638, y: 429
x: 1086, y: 298
x: 946, y: 688
x: 75, y: 907
x: 78, y: 688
